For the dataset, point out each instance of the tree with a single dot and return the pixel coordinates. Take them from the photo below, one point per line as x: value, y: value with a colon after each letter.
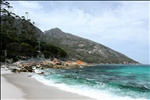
x: 13, y: 50
x: 62, y: 54
x: 26, y: 49
x: 20, y: 37
x: 27, y: 15
x: 23, y: 17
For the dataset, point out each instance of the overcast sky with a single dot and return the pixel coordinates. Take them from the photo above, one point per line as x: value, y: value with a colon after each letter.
x: 120, y: 25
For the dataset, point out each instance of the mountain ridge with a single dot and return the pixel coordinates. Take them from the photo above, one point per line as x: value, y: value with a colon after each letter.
x: 85, y: 49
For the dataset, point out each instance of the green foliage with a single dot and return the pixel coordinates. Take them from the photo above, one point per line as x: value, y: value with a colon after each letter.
x: 2, y: 59
x: 53, y: 51
x: 19, y: 37
x: 13, y: 49
x: 47, y: 54
x: 26, y: 49
x: 62, y: 53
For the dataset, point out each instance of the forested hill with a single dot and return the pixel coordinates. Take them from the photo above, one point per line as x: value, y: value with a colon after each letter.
x: 20, y: 38
x: 84, y: 49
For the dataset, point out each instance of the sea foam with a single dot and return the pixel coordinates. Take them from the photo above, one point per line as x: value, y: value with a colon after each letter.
x: 83, y: 90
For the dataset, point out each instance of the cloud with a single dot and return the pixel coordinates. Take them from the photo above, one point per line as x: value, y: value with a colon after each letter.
x: 30, y: 4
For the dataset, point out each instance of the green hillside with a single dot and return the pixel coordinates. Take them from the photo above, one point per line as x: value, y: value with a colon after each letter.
x: 21, y: 39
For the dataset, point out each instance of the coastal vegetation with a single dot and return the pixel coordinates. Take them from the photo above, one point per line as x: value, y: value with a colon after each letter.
x: 21, y: 39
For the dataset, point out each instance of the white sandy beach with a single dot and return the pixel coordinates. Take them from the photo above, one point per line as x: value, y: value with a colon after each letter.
x: 8, y: 90
x: 20, y: 86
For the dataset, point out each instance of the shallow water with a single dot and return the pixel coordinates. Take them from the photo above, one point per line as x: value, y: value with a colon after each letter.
x: 125, y: 82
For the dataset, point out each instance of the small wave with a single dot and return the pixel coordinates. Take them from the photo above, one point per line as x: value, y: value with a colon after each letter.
x: 83, y: 90
x: 135, y: 88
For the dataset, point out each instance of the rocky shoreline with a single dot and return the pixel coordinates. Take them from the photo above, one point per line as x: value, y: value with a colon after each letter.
x: 21, y: 86
x: 30, y: 66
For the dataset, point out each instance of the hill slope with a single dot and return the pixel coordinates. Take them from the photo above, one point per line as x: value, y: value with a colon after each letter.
x: 21, y: 39
x: 84, y: 49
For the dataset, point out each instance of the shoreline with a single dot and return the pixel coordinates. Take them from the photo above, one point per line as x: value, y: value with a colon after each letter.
x: 24, y: 88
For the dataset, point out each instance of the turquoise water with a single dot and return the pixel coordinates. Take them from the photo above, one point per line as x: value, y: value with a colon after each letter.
x: 108, y: 81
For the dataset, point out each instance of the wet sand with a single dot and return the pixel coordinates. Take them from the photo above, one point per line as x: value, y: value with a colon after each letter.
x: 20, y: 86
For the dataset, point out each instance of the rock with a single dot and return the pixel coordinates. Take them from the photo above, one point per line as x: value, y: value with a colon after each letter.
x: 34, y: 64
x: 27, y: 69
x: 38, y: 66
x: 50, y: 66
x: 66, y: 67
x: 18, y: 71
x: 31, y: 70
x: 14, y: 70
x: 41, y: 73
x: 23, y: 70
x: 72, y: 66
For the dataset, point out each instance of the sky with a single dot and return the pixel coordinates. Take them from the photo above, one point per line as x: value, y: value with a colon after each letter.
x: 120, y: 25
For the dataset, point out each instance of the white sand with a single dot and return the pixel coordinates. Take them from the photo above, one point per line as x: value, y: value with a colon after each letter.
x: 8, y: 90
x: 20, y: 86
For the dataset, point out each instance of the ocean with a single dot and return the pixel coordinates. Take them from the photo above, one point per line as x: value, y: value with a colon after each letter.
x: 112, y: 82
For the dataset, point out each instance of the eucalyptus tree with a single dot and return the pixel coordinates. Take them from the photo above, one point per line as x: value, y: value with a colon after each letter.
x: 27, y: 15
x: 23, y: 25
x: 4, y: 4
x: 23, y: 17
x: 18, y: 24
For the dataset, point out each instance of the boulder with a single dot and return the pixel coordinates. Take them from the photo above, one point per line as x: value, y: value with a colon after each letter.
x: 41, y: 73
x: 73, y: 66
x: 50, y: 66
x: 14, y: 70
